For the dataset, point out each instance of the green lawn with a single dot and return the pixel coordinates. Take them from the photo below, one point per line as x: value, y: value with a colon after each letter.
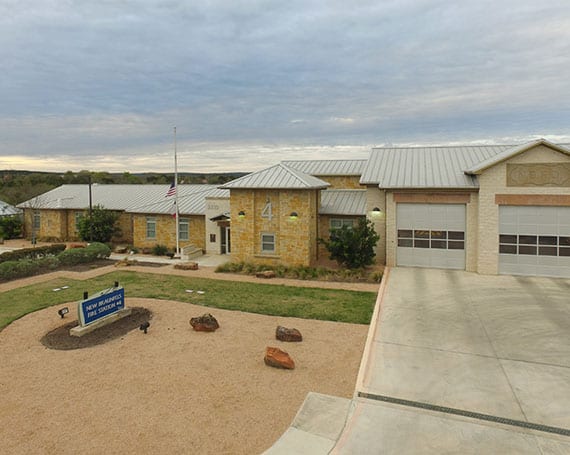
x: 308, y: 303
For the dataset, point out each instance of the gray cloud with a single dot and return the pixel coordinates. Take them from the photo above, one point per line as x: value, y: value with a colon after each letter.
x: 109, y: 79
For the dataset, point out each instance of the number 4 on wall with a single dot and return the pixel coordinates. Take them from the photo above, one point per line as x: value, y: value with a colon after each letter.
x: 267, y: 211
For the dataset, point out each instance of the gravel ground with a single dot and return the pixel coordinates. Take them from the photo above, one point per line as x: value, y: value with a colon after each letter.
x: 170, y: 391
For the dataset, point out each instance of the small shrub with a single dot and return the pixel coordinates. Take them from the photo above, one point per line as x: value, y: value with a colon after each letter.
x: 11, y: 270
x: 159, y: 250
x: 91, y: 253
x: 230, y: 267
x: 32, y: 253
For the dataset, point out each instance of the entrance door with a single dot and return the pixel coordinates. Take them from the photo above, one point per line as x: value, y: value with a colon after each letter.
x: 225, y: 240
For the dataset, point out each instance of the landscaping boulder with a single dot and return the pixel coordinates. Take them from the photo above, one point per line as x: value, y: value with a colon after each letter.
x: 265, y: 274
x: 275, y: 357
x: 285, y: 334
x: 186, y: 266
x: 204, y: 323
x: 121, y: 249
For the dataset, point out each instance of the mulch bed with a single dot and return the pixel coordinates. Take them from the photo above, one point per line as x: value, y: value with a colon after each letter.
x: 60, y: 338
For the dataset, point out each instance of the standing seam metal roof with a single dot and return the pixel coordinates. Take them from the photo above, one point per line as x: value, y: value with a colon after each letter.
x: 343, y: 202
x: 426, y: 167
x: 328, y: 167
x: 130, y: 198
x: 279, y: 176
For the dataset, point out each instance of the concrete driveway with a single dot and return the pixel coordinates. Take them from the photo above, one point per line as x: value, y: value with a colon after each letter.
x: 463, y: 363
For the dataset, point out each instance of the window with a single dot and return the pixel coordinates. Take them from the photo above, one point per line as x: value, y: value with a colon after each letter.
x: 184, y: 229
x: 338, y: 223
x: 78, y: 217
x: 268, y: 243
x: 548, y: 245
x: 437, y: 239
x: 151, y: 228
x: 36, y: 221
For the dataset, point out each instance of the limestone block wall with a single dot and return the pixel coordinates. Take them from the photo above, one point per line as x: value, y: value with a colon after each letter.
x: 166, y: 231
x: 295, y: 240
x: 342, y: 182
x: 124, y: 222
x: 493, y: 181
x: 52, y: 224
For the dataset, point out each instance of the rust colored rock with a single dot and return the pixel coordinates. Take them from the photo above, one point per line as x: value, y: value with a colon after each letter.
x: 187, y: 266
x: 265, y: 274
x: 285, y: 334
x: 275, y: 357
x: 204, y: 323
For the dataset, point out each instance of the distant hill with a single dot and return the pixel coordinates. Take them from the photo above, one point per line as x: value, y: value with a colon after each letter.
x: 19, y: 185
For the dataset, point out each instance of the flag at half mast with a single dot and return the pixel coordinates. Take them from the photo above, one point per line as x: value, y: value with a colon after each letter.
x: 172, y: 190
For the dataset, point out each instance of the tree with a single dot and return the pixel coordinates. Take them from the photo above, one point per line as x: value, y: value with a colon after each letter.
x: 10, y: 227
x: 101, y: 226
x: 353, y: 247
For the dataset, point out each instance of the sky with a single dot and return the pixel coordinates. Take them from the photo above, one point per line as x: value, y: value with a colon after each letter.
x: 100, y: 85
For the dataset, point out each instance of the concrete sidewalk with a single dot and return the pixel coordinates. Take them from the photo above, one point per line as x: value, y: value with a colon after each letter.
x: 457, y: 362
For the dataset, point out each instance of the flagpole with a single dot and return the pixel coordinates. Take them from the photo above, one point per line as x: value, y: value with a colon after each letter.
x: 177, y: 221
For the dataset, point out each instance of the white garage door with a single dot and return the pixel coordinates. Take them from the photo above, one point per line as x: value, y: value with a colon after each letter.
x: 431, y: 235
x: 534, y: 240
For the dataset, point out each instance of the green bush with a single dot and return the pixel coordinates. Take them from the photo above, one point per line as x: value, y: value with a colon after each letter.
x: 353, y: 247
x: 32, y: 253
x: 90, y: 253
x: 159, y: 250
x: 11, y: 270
x: 10, y: 227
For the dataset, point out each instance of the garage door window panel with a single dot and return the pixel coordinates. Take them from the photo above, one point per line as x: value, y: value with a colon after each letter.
x: 548, y: 251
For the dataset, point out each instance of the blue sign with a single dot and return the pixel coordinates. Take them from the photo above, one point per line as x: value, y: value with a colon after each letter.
x: 100, y: 305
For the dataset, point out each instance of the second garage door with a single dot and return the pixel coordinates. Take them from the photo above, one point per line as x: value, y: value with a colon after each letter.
x: 431, y: 235
x: 534, y: 240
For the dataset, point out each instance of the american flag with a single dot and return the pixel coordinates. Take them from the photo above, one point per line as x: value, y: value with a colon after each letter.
x: 172, y: 190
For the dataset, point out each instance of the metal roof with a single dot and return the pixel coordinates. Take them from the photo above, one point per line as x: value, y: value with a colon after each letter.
x: 426, y: 167
x: 343, y: 202
x: 513, y: 151
x: 8, y: 210
x: 439, y: 167
x: 279, y: 176
x: 328, y: 167
x: 191, y: 201
x: 125, y: 197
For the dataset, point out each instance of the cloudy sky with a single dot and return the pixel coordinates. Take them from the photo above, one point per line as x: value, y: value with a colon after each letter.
x: 100, y: 84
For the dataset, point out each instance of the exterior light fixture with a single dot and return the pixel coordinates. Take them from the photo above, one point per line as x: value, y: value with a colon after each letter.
x: 241, y: 214
x: 376, y: 211
x: 63, y: 312
x: 144, y: 326
x: 293, y: 216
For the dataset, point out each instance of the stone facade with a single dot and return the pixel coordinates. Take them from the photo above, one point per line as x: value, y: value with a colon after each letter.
x: 342, y: 182
x: 165, y: 231
x: 267, y: 216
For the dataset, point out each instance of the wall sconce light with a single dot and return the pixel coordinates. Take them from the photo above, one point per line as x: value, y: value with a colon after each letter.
x: 293, y: 216
x: 376, y: 211
x: 241, y: 214
x: 144, y: 326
